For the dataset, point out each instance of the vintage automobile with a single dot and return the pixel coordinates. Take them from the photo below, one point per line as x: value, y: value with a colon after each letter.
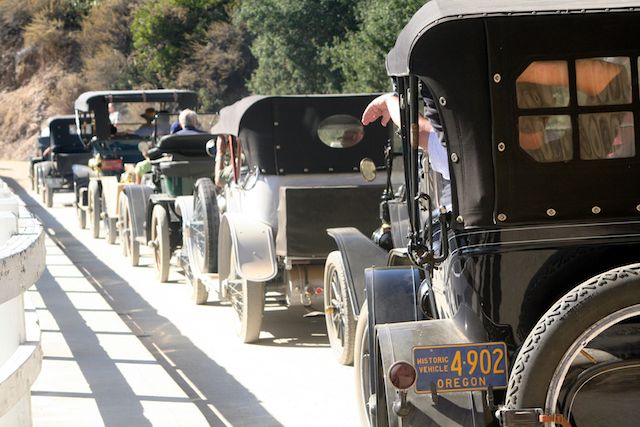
x: 291, y: 173
x: 66, y: 149
x: 42, y: 143
x: 114, y: 137
x: 522, y: 303
x: 177, y: 162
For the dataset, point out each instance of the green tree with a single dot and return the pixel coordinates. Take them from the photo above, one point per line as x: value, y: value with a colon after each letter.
x: 288, y: 36
x: 219, y: 67
x: 360, y: 56
x: 163, y: 31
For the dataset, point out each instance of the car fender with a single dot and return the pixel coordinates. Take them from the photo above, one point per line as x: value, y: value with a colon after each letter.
x: 357, y: 252
x: 138, y: 196
x: 396, y: 342
x: 253, y: 245
x: 110, y: 194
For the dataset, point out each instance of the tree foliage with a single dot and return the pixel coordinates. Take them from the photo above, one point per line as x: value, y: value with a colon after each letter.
x: 360, y: 56
x: 224, y: 49
x: 164, y: 30
x: 288, y: 37
x: 219, y: 67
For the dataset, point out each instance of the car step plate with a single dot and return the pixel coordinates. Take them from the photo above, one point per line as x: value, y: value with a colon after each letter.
x: 464, y: 367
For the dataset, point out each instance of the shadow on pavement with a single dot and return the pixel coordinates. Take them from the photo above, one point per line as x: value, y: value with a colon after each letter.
x: 291, y: 329
x: 176, y: 353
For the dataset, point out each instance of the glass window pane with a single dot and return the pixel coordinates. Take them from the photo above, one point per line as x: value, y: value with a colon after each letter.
x: 340, y: 131
x: 543, y: 84
x: 606, y: 135
x: 546, y: 138
x: 603, y: 81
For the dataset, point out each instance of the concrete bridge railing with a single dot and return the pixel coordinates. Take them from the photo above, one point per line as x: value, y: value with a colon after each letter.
x: 22, y: 261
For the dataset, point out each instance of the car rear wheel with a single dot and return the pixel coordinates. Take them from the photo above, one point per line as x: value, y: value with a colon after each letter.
x: 581, y: 360
x: 82, y: 218
x: 247, y: 299
x: 47, y: 195
x: 160, y: 241
x: 132, y: 245
x: 199, y: 294
x: 111, y: 229
x: 121, y: 224
x: 95, y: 208
x: 204, y: 227
x: 361, y: 366
x: 341, y: 323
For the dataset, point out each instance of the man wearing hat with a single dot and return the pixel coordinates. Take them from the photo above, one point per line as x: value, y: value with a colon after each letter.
x: 146, y: 130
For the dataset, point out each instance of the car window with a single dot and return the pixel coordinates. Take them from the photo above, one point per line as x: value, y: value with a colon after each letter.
x: 340, y: 131
x: 548, y: 116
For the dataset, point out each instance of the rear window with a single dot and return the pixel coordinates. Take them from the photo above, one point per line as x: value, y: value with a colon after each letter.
x: 594, y: 124
x: 340, y: 131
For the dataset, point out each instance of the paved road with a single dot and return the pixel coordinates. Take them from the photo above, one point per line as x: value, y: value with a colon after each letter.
x: 288, y: 378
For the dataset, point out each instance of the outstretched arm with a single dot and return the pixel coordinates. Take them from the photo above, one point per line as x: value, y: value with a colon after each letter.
x: 387, y: 107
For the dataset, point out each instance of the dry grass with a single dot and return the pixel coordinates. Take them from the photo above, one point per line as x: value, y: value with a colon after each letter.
x: 24, y: 110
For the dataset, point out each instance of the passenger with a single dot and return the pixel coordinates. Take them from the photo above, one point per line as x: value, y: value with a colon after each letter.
x: 114, y: 115
x: 189, y: 123
x: 175, y: 127
x: 387, y: 107
x: 143, y: 167
x: 146, y: 130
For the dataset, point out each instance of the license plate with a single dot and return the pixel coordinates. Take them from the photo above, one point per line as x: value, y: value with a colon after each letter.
x: 111, y: 165
x: 464, y: 367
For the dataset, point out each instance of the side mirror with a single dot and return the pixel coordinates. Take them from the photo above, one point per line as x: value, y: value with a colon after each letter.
x: 368, y: 169
x: 211, y: 148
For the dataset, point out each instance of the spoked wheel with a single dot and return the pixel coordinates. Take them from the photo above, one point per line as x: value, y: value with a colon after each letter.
x: 47, y: 196
x: 112, y: 231
x: 205, y: 223
x: 361, y: 367
x: 372, y: 409
x: 95, y: 208
x: 80, y: 213
x: 199, y: 294
x: 160, y: 241
x: 341, y: 324
x: 121, y: 224
x: 581, y: 360
x: 247, y: 299
x: 132, y: 246
x: 82, y: 217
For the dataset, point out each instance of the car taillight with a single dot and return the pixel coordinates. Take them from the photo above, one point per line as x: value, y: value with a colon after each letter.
x: 402, y: 375
x: 111, y: 165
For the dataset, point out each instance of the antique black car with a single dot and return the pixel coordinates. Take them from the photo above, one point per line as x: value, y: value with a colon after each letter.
x: 286, y: 170
x: 117, y: 122
x: 65, y: 148
x: 522, y: 303
x: 42, y: 143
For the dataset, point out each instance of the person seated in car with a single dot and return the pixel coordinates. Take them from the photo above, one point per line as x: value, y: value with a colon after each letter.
x: 146, y: 129
x: 134, y: 173
x: 189, y: 122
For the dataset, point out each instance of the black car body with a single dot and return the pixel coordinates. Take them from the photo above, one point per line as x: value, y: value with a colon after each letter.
x: 531, y: 267
x: 63, y: 149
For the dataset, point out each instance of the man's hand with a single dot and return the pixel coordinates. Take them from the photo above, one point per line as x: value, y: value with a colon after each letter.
x: 386, y: 107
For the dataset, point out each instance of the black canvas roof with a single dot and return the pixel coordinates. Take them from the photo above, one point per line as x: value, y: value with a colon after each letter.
x: 279, y: 134
x: 184, y: 98
x: 468, y: 54
x: 436, y: 12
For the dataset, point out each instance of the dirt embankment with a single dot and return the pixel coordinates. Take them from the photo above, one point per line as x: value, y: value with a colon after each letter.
x: 24, y: 110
